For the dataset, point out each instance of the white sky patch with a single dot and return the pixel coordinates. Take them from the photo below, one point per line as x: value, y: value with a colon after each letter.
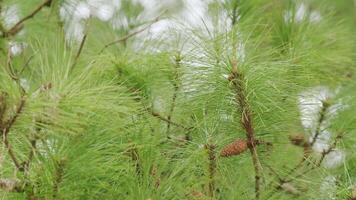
x: 315, y: 17
x: 158, y: 104
x: 82, y: 11
x: 322, y: 142
x: 25, y: 84
x: 301, y: 13
x: 10, y: 16
x: 104, y: 12
x: 310, y: 105
x: 74, y: 13
x: 334, y: 159
x: 16, y: 48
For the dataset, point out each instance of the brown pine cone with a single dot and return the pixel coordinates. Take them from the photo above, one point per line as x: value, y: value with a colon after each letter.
x: 235, y: 148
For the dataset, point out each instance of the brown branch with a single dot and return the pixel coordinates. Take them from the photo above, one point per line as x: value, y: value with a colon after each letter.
x: 324, y: 154
x: 237, y: 80
x: 3, y: 108
x: 19, y: 25
x: 212, y: 169
x: 308, y: 145
x: 128, y: 36
x: 6, y: 130
x: 11, y: 73
x: 317, y: 164
x: 322, y: 115
x: 8, y: 66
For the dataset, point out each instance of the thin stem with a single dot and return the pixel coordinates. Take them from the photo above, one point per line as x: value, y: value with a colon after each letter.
x: 81, y: 46
x: 234, y: 14
x: 237, y: 80
x: 157, y: 115
x: 308, y: 146
x: 19, y: 25
x: 128, y: 36
x: 176, y: 89
x: 6, y: 130
x: 322, y: 116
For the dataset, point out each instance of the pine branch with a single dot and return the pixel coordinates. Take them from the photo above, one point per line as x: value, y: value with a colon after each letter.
x: 212, y: 169
x: 19, y: 25
x: 308, y: 145
x: 237, y: 80
x: 5, y: 132
x: 317, y: 164
x: 326, y: 152
x: 322, y: 115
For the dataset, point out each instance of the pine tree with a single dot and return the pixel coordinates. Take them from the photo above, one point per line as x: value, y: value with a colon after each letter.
x: 186, y: 99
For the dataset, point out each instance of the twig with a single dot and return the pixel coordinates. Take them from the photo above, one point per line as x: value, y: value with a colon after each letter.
x: 6, y: 130
x: 157, y: 115
x: 8, y: 66
x: 19, y: 25
x: 322, y: 116
x: 308, y: 145
x: 26, y: 64
x: 126, y: 37
x: 81, y: 46
x: 237, y: 80
x: 175, y: 92
x: 316, y: 164
x: 234, y: 14
x: 323, y: 155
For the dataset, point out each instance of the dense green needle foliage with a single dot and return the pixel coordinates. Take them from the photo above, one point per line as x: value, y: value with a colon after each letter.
x: 186, y: 99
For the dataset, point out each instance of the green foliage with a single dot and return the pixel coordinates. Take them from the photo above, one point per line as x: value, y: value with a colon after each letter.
x: 125, y: 113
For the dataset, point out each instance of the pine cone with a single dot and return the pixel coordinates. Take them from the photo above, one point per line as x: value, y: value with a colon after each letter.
x: 235, y: 148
